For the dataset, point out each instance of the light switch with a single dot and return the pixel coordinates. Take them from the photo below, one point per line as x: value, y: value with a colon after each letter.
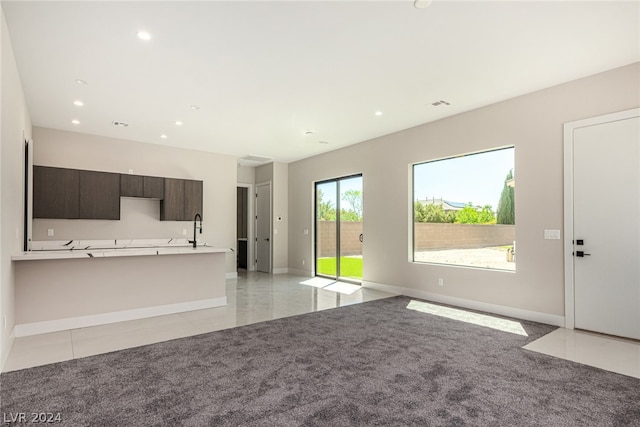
x: 305, y: 231
x: 552, y: 234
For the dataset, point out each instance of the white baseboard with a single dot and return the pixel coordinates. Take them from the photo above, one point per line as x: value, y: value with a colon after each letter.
x: 297, y: 272
x: 280, y: 271
x: 518, y: 313
x: 35, y: 328
x: 231, y: 275
x: 6, y: 351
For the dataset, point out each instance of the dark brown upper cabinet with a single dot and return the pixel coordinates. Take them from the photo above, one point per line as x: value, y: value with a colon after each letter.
x: 99, y: 195
x: 192, y: 199
x: 150, y: 187
x: 80, y: 194
x: 60, y: 193
x: 131, y: 185
x: 172, y: 204
x: 182, y: 200
x: 56, y: 193
x: 153, y: 187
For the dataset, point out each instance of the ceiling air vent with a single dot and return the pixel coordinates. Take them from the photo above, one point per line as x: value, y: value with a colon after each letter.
x: 121, y: 124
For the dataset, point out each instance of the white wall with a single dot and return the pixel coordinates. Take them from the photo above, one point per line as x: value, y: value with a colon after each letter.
x: 15, y: 126
x: 533, y: 123
x: 246, y: 175
x: 140, y: 218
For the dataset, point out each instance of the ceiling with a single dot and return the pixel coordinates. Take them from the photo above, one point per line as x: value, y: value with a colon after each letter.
x: 264, y: 74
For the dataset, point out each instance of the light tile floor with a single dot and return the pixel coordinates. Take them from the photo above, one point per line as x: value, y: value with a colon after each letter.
x: 257, y: 297
x: 253, y: 297
x: 589, y: 348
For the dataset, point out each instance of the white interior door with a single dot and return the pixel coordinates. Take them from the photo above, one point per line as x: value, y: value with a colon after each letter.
x: 606, y: 232
x: 263, y: 227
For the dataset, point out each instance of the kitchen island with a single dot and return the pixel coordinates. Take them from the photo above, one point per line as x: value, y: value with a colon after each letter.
x: 88, y: 283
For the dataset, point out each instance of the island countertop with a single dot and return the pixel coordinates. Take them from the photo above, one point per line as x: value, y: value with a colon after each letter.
x: 75, y: 249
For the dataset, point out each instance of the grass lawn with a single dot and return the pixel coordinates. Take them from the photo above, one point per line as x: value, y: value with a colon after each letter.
x: 349, y: 267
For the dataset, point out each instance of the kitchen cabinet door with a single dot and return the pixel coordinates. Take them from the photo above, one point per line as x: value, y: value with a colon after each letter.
x: 192, y: 199
x: 153, y: 187
x: 172, y: 203
x: 99, y: 195
x: 131, y: 185
x: 56, y: 193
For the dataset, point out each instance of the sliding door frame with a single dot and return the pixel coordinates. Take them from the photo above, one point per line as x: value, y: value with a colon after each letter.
x: 315, y: 225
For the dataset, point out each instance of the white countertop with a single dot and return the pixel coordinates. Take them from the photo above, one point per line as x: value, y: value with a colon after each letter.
x: 100, y: 249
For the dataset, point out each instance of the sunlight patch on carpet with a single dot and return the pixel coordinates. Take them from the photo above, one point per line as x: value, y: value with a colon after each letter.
x: 497, y: 323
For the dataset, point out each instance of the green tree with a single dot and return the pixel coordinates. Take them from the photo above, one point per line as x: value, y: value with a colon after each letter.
x: 467, y: 215
x: 506, y: 206
x: 354, y: 198
x: 470, y: 215
x: 324, y: 210
x: 486, y: 215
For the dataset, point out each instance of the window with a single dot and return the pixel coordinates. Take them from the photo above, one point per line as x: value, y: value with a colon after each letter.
x: 464, y: 210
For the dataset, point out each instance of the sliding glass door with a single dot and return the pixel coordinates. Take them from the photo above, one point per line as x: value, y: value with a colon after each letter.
x: 338, y: 228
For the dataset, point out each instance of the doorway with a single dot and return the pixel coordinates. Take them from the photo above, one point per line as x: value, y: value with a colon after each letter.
x: 338, y: 228
x: 263, y: 227
x: 602, y: 224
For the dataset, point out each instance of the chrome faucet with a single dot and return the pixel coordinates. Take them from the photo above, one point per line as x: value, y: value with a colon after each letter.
x: 195, y: 219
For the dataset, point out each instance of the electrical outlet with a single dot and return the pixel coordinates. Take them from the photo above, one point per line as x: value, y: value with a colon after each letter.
x: 302, y: 262
x: 184, y: 231
x: 4, y: 322
x: 50, y: 232
x: 130, y: 171
x: 440, y: 281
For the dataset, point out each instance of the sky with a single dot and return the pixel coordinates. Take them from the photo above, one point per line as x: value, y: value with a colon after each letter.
x: 329, y: 190
x: 477, y: 178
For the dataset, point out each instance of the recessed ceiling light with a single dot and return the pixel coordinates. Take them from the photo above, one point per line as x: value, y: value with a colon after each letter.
x: 121, y: 124
x: 378, y: 113
x: 178, y: 123
x: 143, y: 35
x: 309, y: 132
x: 421, y: 4
x: 81, y: 82
x: 75, y: 121
x: 194, y: 107
x: 78, y: 103
x: 163, y: 136
x: 441, y: 102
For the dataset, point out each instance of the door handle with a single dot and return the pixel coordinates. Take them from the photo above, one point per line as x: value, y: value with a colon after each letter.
x: 267, y: 239
x: 581, y: 254
x: 361, y: 237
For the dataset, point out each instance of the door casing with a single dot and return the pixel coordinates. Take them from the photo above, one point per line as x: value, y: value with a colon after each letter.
x: 263, y: 227
x: 569, y: 276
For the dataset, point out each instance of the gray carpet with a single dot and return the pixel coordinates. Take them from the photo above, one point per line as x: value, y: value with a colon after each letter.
x: 376, y: 363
